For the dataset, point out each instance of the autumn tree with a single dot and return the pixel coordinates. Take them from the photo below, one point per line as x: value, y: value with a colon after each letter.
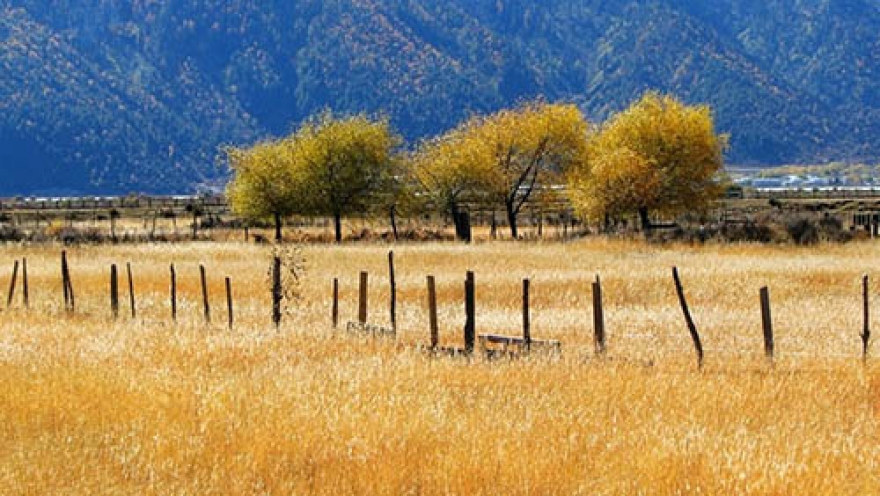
x: 266, y: 182
x: 451, y: 169
x: 527, y: 148
x: 659, y: 156
x: 347, y: 164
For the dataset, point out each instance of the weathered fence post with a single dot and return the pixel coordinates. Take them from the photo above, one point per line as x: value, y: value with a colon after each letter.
x: 69, y: 300
x: 598, y: 318
x: 362, y: 298
x: 229, y: 302
x: 470, y: 309
x: 767, y: 322
x: 12, y: 285
x: 277, y: 292
x: 432, y: 312
x: 393, y: 303
x: 205, y: 304
x: 692, y: 327
x: 334, y: 311
x: 527, y: 322
x: 173, y: 294
x: 866, y: 332
x: 131, y: 298
x: 24, y: 283
x: 114, y: 291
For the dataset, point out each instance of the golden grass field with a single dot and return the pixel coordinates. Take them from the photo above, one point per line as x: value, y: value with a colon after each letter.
x: 93, y: 406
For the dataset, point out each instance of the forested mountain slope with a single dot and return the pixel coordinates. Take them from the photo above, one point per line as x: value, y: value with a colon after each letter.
x: 138, y: 95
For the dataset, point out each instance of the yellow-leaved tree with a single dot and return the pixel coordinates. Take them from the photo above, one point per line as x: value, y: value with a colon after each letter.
x: 530, y: 147
x: 349, y: 165
x: 330, y: 166
x: 449, y: 170
x: 503, y: 158
x: 266, y: 182
x: 658, y: 156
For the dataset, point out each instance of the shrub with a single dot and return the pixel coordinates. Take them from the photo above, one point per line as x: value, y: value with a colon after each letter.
x: 802, y: 231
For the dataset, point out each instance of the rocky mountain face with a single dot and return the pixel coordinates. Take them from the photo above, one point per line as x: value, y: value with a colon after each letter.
x: 116, y: 96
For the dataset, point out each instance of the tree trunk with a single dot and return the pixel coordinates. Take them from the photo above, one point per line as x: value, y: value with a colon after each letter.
x: 393, y: 213
x: 337, y: 224
x: 278, y: 225
x: 511, y: 219
x: 645, y: 220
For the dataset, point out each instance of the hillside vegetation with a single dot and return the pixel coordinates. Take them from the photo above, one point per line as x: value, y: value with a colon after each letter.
x: 114, y: 96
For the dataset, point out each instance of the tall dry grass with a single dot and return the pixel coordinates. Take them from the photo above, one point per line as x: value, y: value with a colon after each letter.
x: 89, y: 405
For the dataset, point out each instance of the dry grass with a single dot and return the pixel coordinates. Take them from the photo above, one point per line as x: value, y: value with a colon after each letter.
x: 88, y: 405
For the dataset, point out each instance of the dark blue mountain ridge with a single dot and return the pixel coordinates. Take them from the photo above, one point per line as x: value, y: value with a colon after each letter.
x: 118, y: 96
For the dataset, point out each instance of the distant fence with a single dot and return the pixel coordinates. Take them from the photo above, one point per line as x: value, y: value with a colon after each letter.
x: 112, y: 202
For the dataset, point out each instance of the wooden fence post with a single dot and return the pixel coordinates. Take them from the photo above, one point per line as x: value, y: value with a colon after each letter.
x: 527, y: 323
x: 24, y: 280
x: 131, y: 298
x: 64, y: 280
x: 277, y: 292
x: 69, y: 299
x: 12, y: 285
x: 229, y: 302
x: 334, y: 311
x: 432, y: 312
x: 206, y: 305
x: 767, y: 322
x: 866, y: 332
x: 173, y: 294
x: 362, y: 298
x: 470, y: 309
x: 393, y: 303
x: 692, y: 327
x: 598, y: 318
x: 114, y: 291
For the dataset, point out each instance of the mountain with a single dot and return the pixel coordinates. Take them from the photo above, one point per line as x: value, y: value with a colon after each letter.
x: 140, y: 95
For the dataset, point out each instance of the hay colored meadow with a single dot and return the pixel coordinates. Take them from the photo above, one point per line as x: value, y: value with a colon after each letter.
x: 93, y: 405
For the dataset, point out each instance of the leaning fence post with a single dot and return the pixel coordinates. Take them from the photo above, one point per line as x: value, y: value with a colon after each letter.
x: 767, y: 322
x: 114, y: 291
x: 229, y: 301
x: 866, y: 332
x: 205, y: 304
x: 24, y: 280
x: 277, y: 292
x: 598, y: 318
x: 131, y: 297
x: 334, y: 311
x: 64, y: 280
x: 69, y: 300
x: 692, y: 327
x: 362, y: 298
x: 173, y: 294
x: 432, y: 312
x: 12, y: 285
x: 393, y: 303
x: 527, y: 323
x: 470, y: 308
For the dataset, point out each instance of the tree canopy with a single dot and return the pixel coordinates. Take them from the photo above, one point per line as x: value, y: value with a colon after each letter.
x: 266, y: 181
x: 658, y: 156
x: 501, y: 159
x: 330, y: 166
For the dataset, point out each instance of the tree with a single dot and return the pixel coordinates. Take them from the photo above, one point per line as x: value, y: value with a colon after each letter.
x: 450, y: 169
x: 266, y: 182
x: 529, y: 147
x: 347, y: 164
x: 658, y: 156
